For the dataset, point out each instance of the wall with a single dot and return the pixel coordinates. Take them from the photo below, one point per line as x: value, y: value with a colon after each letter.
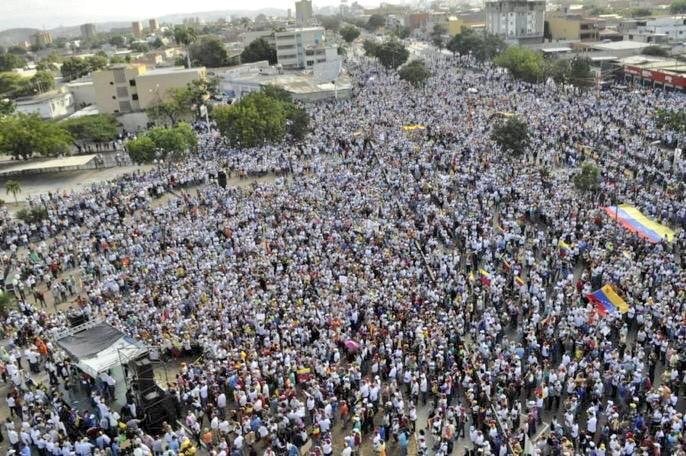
x: 83, y: 92
x: 152, y: 88
x: 55, y: 107
x: 561, y: 28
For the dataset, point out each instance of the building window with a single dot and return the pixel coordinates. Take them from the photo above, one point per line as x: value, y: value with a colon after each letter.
x: 125, y: 106
x: 122, y: 92
x: 310, y: 62
x: 113, y: 97
x: 134, y: 96
x: 132, y: 82
x: 111, y: 83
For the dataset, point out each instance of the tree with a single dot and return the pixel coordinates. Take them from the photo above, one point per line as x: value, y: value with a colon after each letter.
x: 588, y: 179
x: 349, y: 33
x: 42, y: 81
x: 371, y: 48
x: 141, y: 149
x: 392, y: 53
x: 678, y: 7
x: 329, y: 22
x: 558, y: 70
x: 414, y: 72
x: 641, y: 12
x: 402, y: 32
x: 375, y: 22
x: 23, y: 135
x: 8, y: 62
x: 673, y: 120
x: 163, y: 143
x: 97, y: 128
x: 481, y: 46
x: 157, y: 43
x: 117, y: 40
x: 438, y: 36
x: 185, y: 36
x: 522, y: 63
x: 139, y: 46
x: 512, y: 135
x: 580, y: 72
x: 262, y: 117
x: 74, y: 68
x: 657, y: 51
x: 259, y: 50
x: 13, y: 188
x: 7, y: 107
x: 209, y: 51
x: 171, y: 106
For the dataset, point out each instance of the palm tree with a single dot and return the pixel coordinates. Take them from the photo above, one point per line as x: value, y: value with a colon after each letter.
x: 14, y: 188
x: 186, y: 36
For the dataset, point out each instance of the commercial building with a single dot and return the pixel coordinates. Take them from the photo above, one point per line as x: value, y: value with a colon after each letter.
x: 303, y: 47
x: 41, y: 39
x: 51, y: 105
x: 572, y: 27
x: 303, y: 12
x: 131, y: 88
x: 516, y: 21
x: 667, y: 74
x: 87, y: 31
x: 137, y: 28
x: 154, y: 25
x: 672, y: 27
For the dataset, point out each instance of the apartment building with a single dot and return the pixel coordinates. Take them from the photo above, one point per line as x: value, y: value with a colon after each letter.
x: 303, y: 47
x: 303, y: 12
x: 131, y: 88
x: 518, y: 21
x: 87, y: 31
x: 137, y: 29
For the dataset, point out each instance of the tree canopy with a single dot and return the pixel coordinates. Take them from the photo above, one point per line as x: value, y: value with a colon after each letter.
x: 23, y: 135
x: 163, y: 143
x: 391, y: 53
x: 349, y: 33
x: 671, y: 119
x: 654, y: 50
x: 209, y: 51
x: 97, y: 128
x: 9, y: 61
x: 522, y: 63
x: 438, y: 35
x: 678, y: 7
x: 588, y: 179
x: 259, y: 50
x: 13, y: 85
x: 375, y: 22
x: 481, y: 46
x: 262, y: 117
x: 511, y: 135
x: 414, y: 72
x: 74, y: 67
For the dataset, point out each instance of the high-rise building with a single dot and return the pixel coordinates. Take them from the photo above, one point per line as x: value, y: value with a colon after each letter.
x: 303, y: 11
x: 87, y: 31
x: 154, y: 25
x: 137, y: 28
x: 40, y: 39
x: 519, y: 21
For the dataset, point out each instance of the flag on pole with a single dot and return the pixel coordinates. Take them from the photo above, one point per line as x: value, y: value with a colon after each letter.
x: 485, y: 278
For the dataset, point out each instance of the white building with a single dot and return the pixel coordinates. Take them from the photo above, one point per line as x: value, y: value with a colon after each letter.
x: 673, y: 27
x: 83, y: 92
x: 50, y: 105
x: 516, y: 21
x: 303, y: 48
x: 306, y: 86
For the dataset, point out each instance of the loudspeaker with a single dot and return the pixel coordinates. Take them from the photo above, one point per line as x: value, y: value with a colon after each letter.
x: 158, y: 412
x: 77, y: 319
x: 221, y: 179
x: 144, y: 376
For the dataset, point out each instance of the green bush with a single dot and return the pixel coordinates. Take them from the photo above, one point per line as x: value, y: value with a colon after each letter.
x: 32, y: 215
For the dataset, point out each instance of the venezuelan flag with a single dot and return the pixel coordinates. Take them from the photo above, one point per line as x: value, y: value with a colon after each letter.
x: 519, y: 281
x: 607, y: 301
x: 564, y: 246
x: 485, y: 278
x: 633, y: 220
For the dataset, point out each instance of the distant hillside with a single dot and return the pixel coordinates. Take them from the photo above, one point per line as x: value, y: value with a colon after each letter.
x: 11, y: 37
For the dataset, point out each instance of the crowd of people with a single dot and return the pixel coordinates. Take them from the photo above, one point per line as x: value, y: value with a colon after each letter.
x: 401, y: 292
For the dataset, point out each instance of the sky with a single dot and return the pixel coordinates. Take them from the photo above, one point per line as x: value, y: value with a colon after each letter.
x: 54, y: 13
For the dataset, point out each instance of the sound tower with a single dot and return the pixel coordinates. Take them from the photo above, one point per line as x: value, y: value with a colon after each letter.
x: 221, y: 179
x: 144, y: 377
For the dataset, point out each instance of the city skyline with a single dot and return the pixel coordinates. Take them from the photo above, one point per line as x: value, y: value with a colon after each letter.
x: 48, y: 14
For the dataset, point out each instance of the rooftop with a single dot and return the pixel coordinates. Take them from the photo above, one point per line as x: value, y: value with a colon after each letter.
x: 620, y: 45
x: 298, y: 83
x: 170, y: 70
x: 40, y: 97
